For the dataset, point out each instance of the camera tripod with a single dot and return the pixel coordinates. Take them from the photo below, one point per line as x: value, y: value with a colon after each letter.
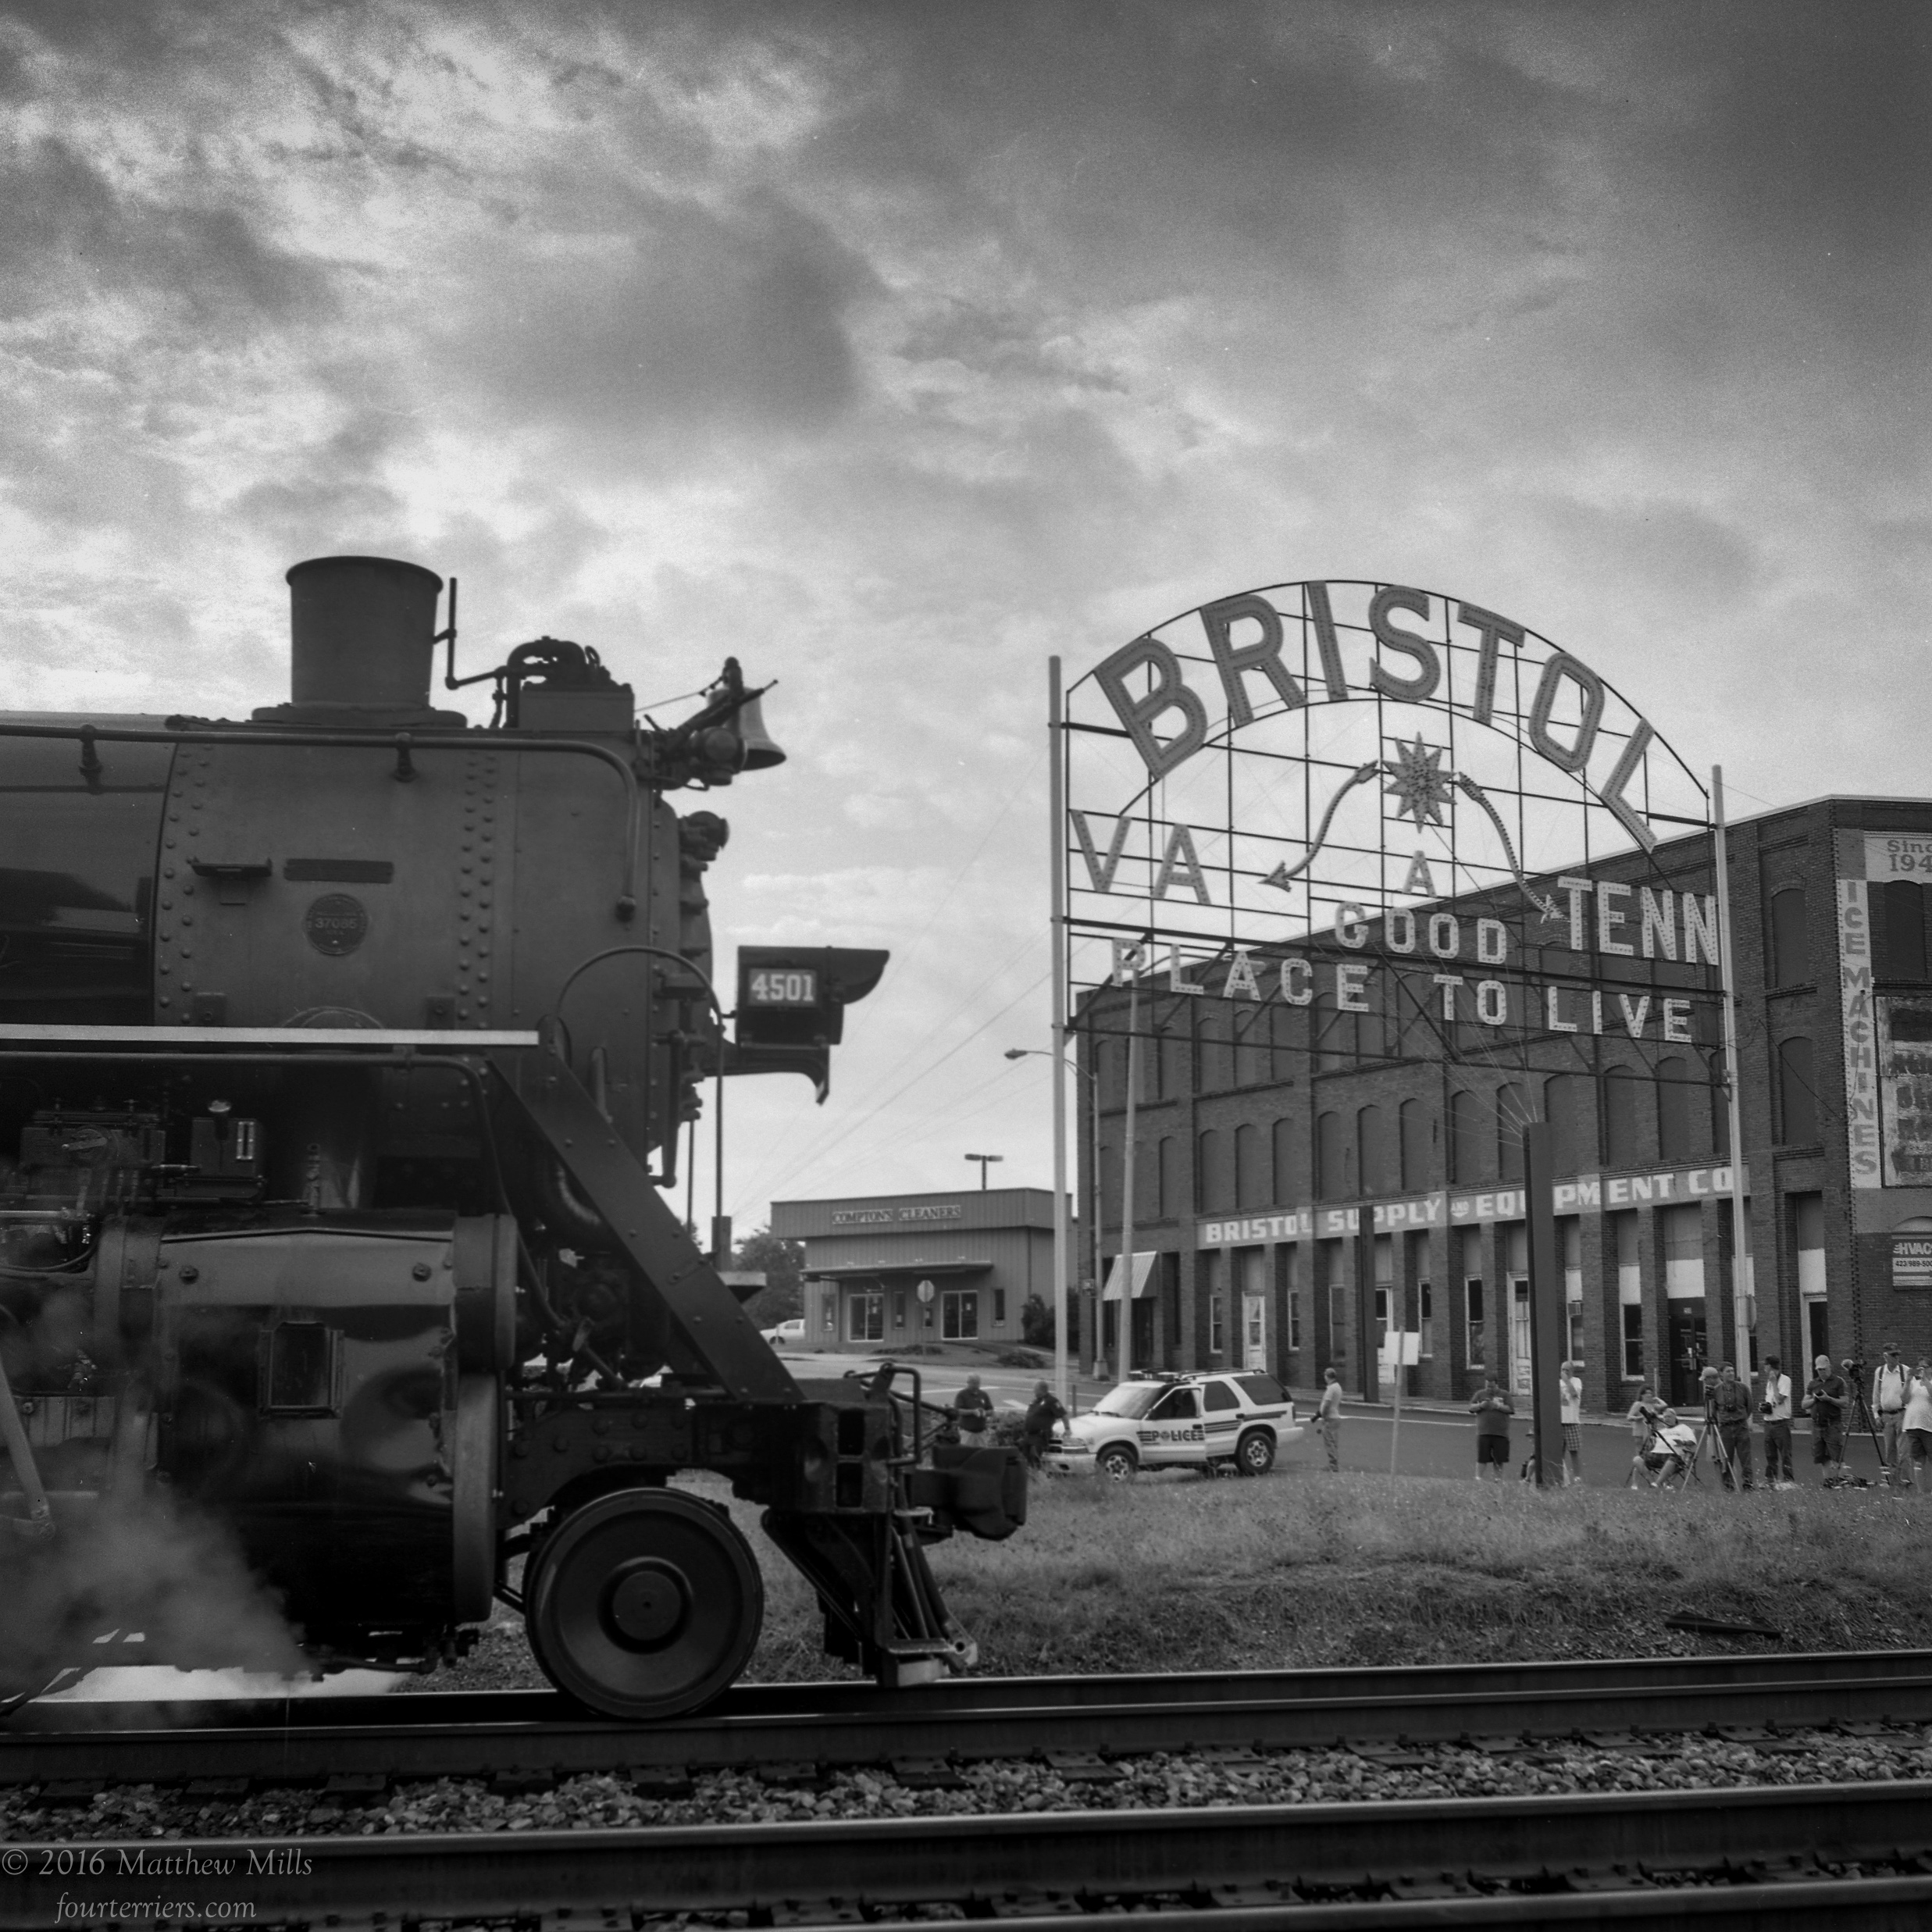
x: 1862, y: 1417
x: 1721, y: 1456
x: 1686, y: 1460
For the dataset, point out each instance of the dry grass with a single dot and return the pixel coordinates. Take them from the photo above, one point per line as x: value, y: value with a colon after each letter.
x: 1359, y: 1569
x: 1180, y: 1573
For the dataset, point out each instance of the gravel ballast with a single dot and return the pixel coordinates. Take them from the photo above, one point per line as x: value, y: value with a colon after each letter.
x: 1176, y: 1780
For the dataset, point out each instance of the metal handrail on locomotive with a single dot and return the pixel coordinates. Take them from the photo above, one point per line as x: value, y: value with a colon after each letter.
x: 344, y: 1056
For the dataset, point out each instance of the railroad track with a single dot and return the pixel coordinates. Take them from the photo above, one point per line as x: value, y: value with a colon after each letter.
x: 537, y: 1735
x: 1657, y: 1860
x: 1771, y: 1855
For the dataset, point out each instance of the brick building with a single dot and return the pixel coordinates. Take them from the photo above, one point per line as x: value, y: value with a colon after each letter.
x: 1328, y: 1145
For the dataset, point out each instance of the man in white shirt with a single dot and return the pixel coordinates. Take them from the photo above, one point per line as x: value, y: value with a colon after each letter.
x: 1671, y: 1448
x: 1890, y: 1387
x: 1774, y: 1404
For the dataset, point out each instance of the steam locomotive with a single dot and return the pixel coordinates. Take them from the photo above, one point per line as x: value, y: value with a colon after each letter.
x: 345, y: 1057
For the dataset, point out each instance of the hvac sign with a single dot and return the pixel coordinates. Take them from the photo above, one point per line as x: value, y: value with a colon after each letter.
x: 1373, y: 766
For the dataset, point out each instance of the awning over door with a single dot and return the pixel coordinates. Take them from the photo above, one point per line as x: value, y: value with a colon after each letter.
x: 1143, y: 1277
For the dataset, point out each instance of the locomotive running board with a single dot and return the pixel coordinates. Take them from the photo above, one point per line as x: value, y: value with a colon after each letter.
x: 448, y: 1038
x: 710, y: 1317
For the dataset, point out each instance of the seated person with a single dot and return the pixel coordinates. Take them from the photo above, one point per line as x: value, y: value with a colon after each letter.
x: 1670, y: 1447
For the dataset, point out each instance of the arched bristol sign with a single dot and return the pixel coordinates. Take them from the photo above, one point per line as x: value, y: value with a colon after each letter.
x: 1375, y: 800
x: 1413, y: 777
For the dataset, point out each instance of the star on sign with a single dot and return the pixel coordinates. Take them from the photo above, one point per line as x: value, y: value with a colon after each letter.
x: 1416, y: 778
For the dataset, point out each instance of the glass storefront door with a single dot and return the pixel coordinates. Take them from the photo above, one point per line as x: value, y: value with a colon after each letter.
x: 1519, y: 1374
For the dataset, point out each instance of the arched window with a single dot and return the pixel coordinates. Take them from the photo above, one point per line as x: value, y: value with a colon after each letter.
x: 1331, y: 1179
x: 1254, y: 1045
x: 1512, y: 1115
x: 1334, y: 1030
x: 1563, y: 1108
x: 1797, y: 1093
x: 1416, y: 1145
x: 1622, y: 1143
x: 1467, y: 1141
x: 1251, y: 1167
x: 1901, y: 931
x: 1170, y: 1202
x: 1110, y: 1054
x: 1214, y: 1181
x: 1373, y: 1039
x: 1284, y: 1163
x: 1677, y: 1134
x: 1791, y: 943
x: 1214, y: 1047
x: 1375, y: 1152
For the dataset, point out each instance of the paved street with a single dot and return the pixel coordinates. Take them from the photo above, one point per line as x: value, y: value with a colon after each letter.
x: 1433, y: 1443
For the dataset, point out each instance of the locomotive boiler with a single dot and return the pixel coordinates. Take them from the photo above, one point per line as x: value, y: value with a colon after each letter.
x: 345, y: 1056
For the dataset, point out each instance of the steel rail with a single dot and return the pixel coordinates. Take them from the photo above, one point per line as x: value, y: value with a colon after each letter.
x: 1272, y: 1864
x: 846, y: 1725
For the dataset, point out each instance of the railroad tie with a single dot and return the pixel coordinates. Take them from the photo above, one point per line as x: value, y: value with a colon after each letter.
x: 231, y: 1787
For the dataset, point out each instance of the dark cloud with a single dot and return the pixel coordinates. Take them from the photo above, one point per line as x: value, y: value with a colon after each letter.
x: 683, y: 317
x: 67, y: 235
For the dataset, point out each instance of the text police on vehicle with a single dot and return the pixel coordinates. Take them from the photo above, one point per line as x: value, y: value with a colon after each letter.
x: 1199, y: 1421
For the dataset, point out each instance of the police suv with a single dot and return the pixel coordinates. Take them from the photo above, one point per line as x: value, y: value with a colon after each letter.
x: 1209, y: 1422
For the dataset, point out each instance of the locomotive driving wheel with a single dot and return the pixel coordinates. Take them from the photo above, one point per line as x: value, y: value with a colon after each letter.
x: 644, y: 1604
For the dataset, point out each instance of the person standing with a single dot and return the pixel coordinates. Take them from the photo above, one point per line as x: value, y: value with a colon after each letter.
x: 1774, y: 1404
x: 1730, y: 1409
x: 1329, y: 1415
x: 976, y: 1409
x: 1826, y: 1395
x: 1890, y: 1384
x: 1569, y: 1390
x: 1042, y: 1413
x: 1916, y: 1449
x: 1492, y: 1410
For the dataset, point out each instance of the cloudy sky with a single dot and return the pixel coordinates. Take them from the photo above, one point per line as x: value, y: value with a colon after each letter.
x: 894, y: 347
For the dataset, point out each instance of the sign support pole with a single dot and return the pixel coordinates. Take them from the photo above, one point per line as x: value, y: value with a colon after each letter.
x: 1124, y: 1318
x: 1740, y: 1312
x: 1547, y: 1316
x: 1056, y: 873
x: 1394, y: 1434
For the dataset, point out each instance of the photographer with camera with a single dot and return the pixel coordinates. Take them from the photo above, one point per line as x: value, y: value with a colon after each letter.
x: 1891, y: 1385
x: 1826, y: 1395
x: 1643, y: 1417
x: 1492, y: 1410
x: 1774, y: 1404
x: 1918, y: 1443
x: 1669, y: 1445
x: 1730, y: 1412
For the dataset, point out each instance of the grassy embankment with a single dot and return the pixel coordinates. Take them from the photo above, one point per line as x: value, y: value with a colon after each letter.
x: 1180, y: 1573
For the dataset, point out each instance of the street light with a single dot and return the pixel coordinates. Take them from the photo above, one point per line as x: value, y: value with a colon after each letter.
x: 986, y: 1161
x: 1091, y: 1076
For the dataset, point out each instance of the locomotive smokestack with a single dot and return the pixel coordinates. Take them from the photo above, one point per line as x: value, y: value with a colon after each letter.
x: 362, y: 642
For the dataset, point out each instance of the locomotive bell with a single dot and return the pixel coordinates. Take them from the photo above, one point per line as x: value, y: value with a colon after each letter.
x: 362, y: 642
x: 760, y: 753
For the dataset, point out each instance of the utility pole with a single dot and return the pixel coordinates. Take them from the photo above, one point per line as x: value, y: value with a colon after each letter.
x: 1740, y: 1305
x: 1057, y: 940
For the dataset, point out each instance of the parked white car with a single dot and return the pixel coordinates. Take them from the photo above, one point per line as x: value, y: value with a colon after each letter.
x: 1207, y: 1422
x: 787, y: 1334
